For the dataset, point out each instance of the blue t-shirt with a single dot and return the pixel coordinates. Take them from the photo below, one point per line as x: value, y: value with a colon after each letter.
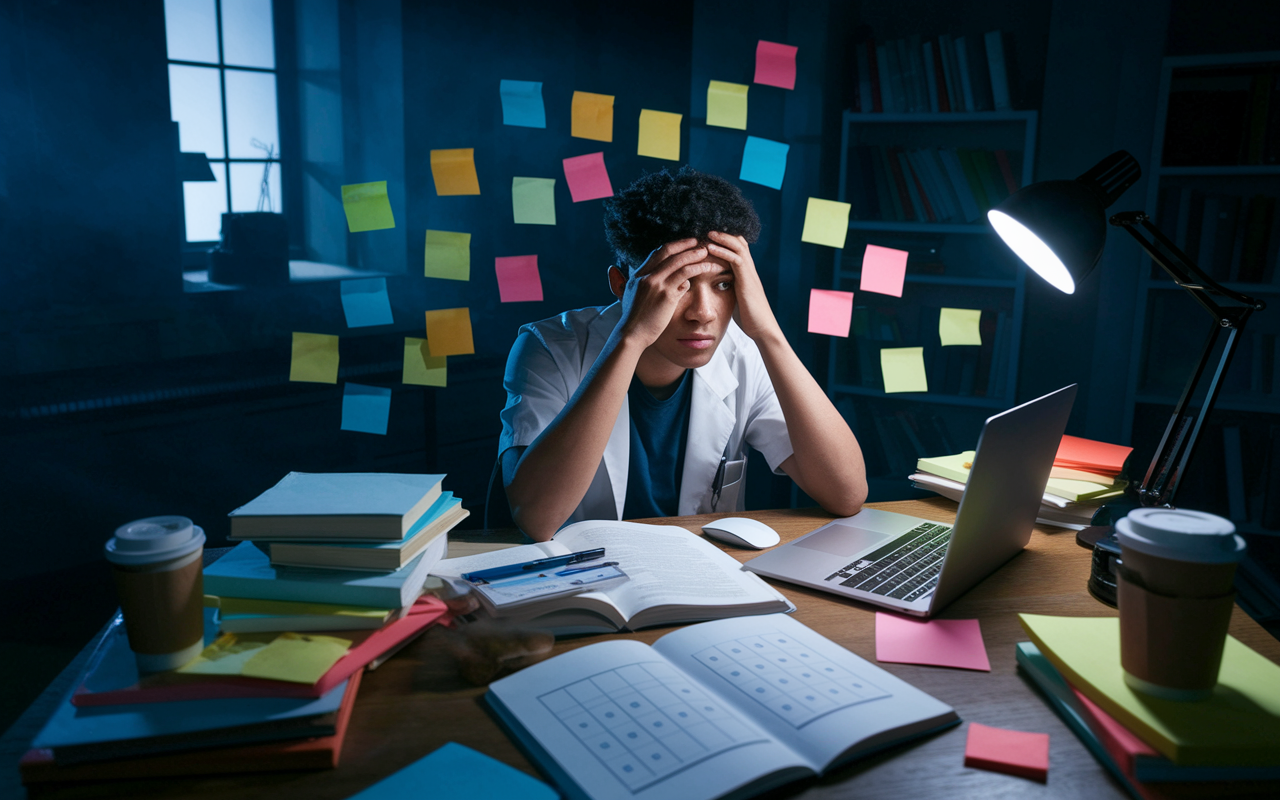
x: 659, y: 429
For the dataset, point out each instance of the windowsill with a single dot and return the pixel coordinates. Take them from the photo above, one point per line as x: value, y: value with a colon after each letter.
x: 197, y: 281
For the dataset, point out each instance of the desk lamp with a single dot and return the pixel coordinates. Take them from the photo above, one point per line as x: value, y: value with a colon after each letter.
x: 1058, y: 228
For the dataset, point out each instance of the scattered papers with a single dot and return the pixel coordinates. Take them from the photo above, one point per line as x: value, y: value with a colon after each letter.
x: 533, y: 201
x: 449, y: 332
x: 420, y: 367
x: 365, y: 302
x: 315, y: 358
x: 727, y: 104
x: 365, y: 409
x: 825, y: 222
x: 959, y: 326
x: 522, y: 104
x: 454, y: 172
x: 830, y: 311
x: 592, y: 116
x: 518, y: 279
x: 448, y: 256
x: 939, y: 642
x: 764, y: 161
x: 776, y: 64
x: 587, y: 177
x: 291, y: 657
x: 903, y: 369
x: 455, y: 771
x: 659, y: 135
x: 367, y: 207
x: 1011, y: 752
x: 883, y: 270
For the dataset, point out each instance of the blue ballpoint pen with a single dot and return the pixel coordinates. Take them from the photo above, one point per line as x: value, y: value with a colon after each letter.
x: 494, y: 573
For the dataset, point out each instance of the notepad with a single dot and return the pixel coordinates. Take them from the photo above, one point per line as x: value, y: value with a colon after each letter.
x: 367, y: 207
x: 1011, y: 752
x: 449, y: 332
x: 587, y: 177
x: 420, y: 367
x: 533, y: 201
x: 727, y: 104
x: 447, y: 255
x: 659, y: 134
x: 454, y: 772
x: 522, y: 104
x: 315, y: 358
x: 592, y: 116
x: 830, y: 311
x: 825, y: 222
x: 764, y: 161
x: 454, y: 172
x: 776, y: 64
x: 518, y: 279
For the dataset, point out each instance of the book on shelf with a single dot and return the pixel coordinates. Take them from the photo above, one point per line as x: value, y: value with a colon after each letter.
x: 341, y: 505
x: 948, y: 73
x: 980, y: 73
x: 966, y: 73
x: 1220, y: 116
x: 999, y: 56
x: 707, y: 732
x: 437, y: 521
x: 674, y: 577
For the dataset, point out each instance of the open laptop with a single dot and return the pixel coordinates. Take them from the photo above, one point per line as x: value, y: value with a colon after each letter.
x: 916, y: 566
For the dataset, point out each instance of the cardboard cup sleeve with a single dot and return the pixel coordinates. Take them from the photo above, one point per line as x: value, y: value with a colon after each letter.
x: 1172, y: 642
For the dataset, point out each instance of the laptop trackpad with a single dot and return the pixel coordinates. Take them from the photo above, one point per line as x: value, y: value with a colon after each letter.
x: 843, y: 540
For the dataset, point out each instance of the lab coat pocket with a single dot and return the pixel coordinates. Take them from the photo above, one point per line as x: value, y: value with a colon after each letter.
x: 731, y: 489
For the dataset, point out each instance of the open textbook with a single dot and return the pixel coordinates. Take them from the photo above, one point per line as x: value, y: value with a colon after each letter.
x: 674, y: 576
x: 727, y: 708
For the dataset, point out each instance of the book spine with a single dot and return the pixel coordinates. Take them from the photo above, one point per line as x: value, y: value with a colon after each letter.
x: 980, y: 77
x: 989, y: 174
x: 975, y: 182
x: 899, y: 186
x: 1011, y: 181
x: 933, y: 159
x: 999, y: 75
x: 883, y: 196
x: 947, y: 58
x: 931, y: 79
x: 886, y: 82
x: 923, y: 211
x: 962, y: 64
x: 919, y: 82
x: 964, y: 194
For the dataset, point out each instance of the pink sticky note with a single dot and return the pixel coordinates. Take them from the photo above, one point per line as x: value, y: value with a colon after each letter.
x: 587, y: 177
x: 883, y: 270
x: 776, y: 64
x: 518, y: 279
x: 1011, y: 752
x: 830, y: 312
x: 939, y: 642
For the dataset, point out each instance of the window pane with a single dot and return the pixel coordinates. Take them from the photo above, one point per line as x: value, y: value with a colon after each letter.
x: 205, y: 201
x: 191, y: 30
x: 195, y: 103
x: 246, y: 186
x: 247, y: 39
x: 251, y: 113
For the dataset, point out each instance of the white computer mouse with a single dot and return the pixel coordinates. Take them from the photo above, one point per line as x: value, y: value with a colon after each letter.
x: 742, y: 532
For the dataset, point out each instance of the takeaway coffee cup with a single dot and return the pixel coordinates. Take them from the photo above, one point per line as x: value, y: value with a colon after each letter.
x: 157, y: 563
x: 1174, y: 587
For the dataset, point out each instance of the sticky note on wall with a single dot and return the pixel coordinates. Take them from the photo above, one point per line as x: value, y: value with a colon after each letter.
x: 592, y: 116
x: 659, y: 134
x: 454, y: 172
x: 522, y: 104
x: 367, y: 207
x: 727, y: 104
x: 959, y: 326
x: 447, y: 255
x: 776, y: 64
x: 825, y: 222
x: 365, y: 409
x: 903, y: 369
x: 518, y: 279
x: 764, y: 161
x: 365, y: 302
x: 533, y: 201
x: 884, y: 270
x: 315, y: 358
x: 587, y: 177
x: 420, y: 367
x: 449, y: 332
x: 830, y: 311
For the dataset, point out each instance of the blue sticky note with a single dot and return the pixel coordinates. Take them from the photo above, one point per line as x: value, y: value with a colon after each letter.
x: 365, y: 408
x: 365, y: 302
x: 764, y: 161
x: 458, y: 771
x: 522, y: 104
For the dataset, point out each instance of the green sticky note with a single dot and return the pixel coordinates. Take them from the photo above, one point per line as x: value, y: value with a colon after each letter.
x: 448, y: 255
x: 315, y: 358
x: 367, y: 207
x: 533, y: 201
x: 420, y: 367
x: 727, y: 104
x: 227, y: 655
x: 825, y: 222
x: 296, y: 658
x: 959, y: 326
x: 903, y: 369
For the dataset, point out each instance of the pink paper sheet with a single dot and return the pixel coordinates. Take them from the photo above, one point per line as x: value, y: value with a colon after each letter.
x: 830, y: 311
x: 883, y: 270
x: 940, y: 642
x: 518, y: 279
x: 776, y: 64
x: 587, y: 177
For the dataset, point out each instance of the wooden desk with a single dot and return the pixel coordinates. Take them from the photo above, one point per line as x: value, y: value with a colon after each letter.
x: 414, y: 703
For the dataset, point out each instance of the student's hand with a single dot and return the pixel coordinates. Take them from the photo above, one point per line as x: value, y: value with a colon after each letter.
x: 752, y: 313
x: 650, y: 297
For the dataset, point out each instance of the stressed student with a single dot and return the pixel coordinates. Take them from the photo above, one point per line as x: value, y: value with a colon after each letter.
x: 644, y: 408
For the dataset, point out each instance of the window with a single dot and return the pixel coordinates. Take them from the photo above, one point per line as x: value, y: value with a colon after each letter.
x: 222, y: 94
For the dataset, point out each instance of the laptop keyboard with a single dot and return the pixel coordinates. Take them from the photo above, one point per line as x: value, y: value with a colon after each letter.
x: 905, y: 569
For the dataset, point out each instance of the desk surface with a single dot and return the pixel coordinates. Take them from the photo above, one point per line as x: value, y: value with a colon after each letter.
x: 414, y: 703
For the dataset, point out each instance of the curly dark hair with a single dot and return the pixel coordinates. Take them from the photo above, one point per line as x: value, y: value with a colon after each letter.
x: 663, y: 206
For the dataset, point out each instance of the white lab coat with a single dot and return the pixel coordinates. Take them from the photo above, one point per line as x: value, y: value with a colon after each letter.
x: 733, y: 405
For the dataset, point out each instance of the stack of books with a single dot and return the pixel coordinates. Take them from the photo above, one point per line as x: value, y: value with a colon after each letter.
x: 1085, y: 475
x: 1228, y: 745
x: 947, y: 74
x: 930, y: 184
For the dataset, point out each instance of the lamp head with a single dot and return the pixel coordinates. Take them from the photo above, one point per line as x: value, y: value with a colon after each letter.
x: 1060, y: 227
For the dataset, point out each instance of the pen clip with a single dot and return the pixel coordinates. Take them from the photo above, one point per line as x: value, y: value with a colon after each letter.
x: 718, y: 482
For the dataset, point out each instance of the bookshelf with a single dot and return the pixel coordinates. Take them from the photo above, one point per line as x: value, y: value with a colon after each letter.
x: 1214, y: 189
x: 955, y: 261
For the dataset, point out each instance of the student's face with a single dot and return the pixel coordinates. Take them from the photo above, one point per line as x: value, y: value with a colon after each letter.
x: 697, y: 327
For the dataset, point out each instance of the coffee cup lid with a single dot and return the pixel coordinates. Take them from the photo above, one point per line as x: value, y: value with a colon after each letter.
x: 1181, y: 535
x: 146, y: 541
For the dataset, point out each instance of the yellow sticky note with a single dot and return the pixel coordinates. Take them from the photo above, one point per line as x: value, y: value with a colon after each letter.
x: 420, y: 367
x: 959, y: 326
x: 903, y: 369
x: 449, y: 332
x: 592, y: 116
x: 659, y: 134
x: 448, y: 255
x: 296, y: 658
x: 227, y: 655
x: 727, y: 105
x: 825, y: 222
x: 315, y: 358
x: 367, y: 207
x: 454, y: 171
